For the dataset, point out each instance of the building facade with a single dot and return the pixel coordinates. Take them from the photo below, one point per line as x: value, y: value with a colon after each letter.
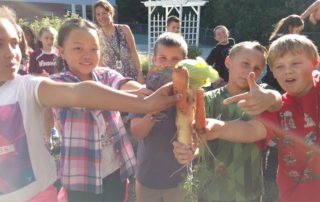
x: 30, y: 8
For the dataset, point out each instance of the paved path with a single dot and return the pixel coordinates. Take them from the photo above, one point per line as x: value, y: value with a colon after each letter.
x: 142, y: 45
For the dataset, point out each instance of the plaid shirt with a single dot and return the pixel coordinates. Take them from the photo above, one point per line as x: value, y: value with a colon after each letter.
x: 81, y: 144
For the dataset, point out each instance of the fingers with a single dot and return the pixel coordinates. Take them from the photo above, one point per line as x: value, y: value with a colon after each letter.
x: 146, y: 91
x: 251, y: 79
x: 313, y: 19
x: 162, y: 98
x: 183, y: 153
x: 236, y: 98
x: 252, y: 110
x: 167, y: 89
x: 168, y: 101
x: 213, y: 128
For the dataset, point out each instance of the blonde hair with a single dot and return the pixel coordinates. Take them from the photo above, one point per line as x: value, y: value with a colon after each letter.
x: 294, y: 44
x: 253, y: 45
x: 170, y: 39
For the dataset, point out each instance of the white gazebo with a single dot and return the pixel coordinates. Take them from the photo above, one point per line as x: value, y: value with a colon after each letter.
x: 188, y: 12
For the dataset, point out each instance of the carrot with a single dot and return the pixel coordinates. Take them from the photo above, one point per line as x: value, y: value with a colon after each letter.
x: 200, y: 115
x: 180, y: 79
x: 185, y: 106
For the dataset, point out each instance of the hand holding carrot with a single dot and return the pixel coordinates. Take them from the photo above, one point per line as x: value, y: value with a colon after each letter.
x: 184, y: 153
x: 162, y: 98
x: 213, y: 128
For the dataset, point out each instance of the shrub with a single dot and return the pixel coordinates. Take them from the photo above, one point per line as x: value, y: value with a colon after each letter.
x: 193, y: 52
x: 54, y: 22
x: 145, y: 63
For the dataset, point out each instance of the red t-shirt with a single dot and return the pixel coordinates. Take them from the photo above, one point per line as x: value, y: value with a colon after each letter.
x: 297, y: 127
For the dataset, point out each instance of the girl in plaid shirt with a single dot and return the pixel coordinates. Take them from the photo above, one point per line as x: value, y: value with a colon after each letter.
x: 96, y: 154
x: 27, y: 170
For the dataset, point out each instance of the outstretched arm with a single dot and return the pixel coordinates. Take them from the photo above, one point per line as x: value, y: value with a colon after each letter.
x: 92, y: 95
x: 257, y: 99
x: 136, y: 88
x: 140, y: 127
x: 235, y: 131
x: 312, y: 12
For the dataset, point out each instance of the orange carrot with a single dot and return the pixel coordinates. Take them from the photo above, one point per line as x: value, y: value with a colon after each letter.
x: 200, y: 115
x: 180, y: 80
x: 185, y: 106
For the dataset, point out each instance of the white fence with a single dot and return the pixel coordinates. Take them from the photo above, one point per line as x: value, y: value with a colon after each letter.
x: 189, y: 28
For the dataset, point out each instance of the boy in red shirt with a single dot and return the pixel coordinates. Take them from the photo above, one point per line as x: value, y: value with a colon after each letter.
x: 292, y: 58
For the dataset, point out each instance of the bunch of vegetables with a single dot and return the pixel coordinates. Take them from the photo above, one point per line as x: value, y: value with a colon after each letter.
x: 188, y: 77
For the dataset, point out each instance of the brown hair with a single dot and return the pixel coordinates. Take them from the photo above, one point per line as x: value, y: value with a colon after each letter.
x: 172, y: 18
x: 23, y: 43
x: 8, y: 13
x: 218, y: 27
x: 285, y: 25
x: 104, y: 4
x: 294, y: 44
x: 43, y: 30
x: 29, y: 34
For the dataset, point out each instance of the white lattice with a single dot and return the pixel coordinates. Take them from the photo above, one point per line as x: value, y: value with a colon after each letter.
x: 158, y: 12
x: 189, y: 29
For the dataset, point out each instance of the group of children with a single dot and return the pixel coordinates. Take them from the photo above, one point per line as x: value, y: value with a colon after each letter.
x: 234, y: 175
x: 32, y: 171
x: 96, y: 155
x: 292, y: 59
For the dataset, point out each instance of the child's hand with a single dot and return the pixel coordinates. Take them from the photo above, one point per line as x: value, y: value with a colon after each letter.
x: 184, y: 153
x: 212, y: 129
x: 142, y: 92
x: 45, y: 73
x: 161, y: 99
x: 313, y: 12
x: 255, y: 101
x: 159, y: 116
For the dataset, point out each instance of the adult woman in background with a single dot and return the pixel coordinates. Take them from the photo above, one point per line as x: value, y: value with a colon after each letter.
x: 121, y: 53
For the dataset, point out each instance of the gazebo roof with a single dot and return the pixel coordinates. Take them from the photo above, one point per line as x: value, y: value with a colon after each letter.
x: 170, y: 3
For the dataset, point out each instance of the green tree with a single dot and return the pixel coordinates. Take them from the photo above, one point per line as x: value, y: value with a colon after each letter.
x: 250, y: 19
x: 246, y: 19
x: 132, y: 11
